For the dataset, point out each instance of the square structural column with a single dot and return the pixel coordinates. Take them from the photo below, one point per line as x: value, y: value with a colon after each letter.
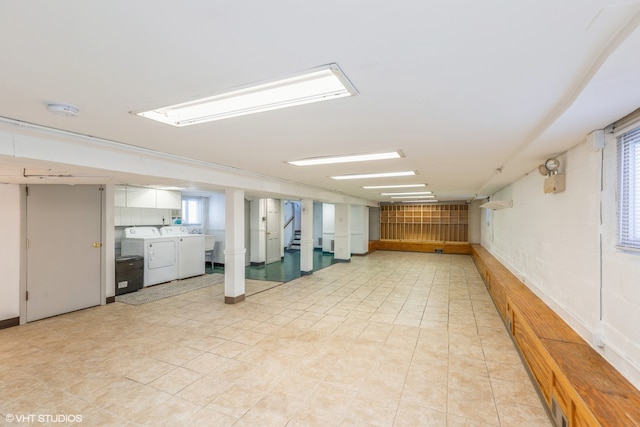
x: 342, y: 236
x: 306, y: 238
x: 234, y: 253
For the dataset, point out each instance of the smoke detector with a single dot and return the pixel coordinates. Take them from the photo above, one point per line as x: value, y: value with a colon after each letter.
x: 66, y: 110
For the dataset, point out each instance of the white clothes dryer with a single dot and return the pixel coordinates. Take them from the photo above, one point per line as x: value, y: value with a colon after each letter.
x: 160, y: 253
x: 191, y: 249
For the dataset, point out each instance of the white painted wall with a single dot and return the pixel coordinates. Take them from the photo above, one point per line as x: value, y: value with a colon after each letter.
x: 257, y: 228
x: 475, y: 220
x: 317, y: 224
x: 342, y: 235
x: 10, y: 251
x: 216, y: 225
x: 328, y: 226
x: 551, y: 243
x: 359, y: 228
x: 620, y: 283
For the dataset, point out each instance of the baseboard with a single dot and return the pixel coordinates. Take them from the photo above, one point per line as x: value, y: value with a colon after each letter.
x: 234, y: 300
x: 9, y: 323
x: 111, y: 300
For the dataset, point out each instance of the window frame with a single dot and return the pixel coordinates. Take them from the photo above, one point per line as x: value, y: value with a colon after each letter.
x: 628, y: 188
x: 185, y: 211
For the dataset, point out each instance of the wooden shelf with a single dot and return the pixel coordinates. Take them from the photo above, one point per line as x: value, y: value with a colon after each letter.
x: 430, y: 223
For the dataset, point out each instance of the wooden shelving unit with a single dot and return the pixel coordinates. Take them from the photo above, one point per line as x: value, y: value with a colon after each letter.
x: 446, y: 222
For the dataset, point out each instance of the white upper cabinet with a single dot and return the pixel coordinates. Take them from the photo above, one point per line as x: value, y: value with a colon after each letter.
x: 139, y: 197
x: 166, y: 199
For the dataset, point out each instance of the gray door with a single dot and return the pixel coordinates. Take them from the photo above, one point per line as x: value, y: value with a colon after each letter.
x: 63, y: 249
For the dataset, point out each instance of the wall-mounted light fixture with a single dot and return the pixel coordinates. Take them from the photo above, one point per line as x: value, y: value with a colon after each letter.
x: 554, y: 181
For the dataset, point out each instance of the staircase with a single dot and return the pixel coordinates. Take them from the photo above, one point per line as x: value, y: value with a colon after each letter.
x: 295, y: 243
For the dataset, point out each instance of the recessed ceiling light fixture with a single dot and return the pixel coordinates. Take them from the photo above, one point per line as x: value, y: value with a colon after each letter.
x: 375, y: 175
x: 380, y: 187
x: 347, y: 159
x: 319, y: 84
x: 420, y: 201
x: 412, y: 193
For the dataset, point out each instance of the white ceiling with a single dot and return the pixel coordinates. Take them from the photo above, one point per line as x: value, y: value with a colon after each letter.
x: 464, y: 88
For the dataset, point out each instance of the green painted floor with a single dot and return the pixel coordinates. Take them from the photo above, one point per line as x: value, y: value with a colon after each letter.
x: 283, y: 271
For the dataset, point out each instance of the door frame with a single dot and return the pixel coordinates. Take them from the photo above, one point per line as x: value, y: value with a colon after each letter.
x: 107, y: 251
x: 273, y: 222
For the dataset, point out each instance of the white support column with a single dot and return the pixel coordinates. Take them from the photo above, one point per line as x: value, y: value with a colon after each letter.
x: 359, y: 227
x: 306, y: 239
x: 234, y: 258
x: 342, y: 244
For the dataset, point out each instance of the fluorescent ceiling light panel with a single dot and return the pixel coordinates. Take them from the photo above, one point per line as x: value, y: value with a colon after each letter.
x: 412, y: 197
x: 346, y: 159
x: 413, y: 193
x: 379, y: 187
x: 375, y: 175
x: 320, y: 84
x: 419, y: 201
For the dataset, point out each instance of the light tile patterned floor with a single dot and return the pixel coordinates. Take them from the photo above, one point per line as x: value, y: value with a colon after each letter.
x: 389, y: 339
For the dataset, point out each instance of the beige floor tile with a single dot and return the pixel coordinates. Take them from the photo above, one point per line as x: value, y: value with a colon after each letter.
x: 520, y: 392
x: 210, y: 418
x: 431, y: 395
x: 146, y: 370
x: 516, y: 414
x: 205, y: 363
x: 508, y: 372
x: 379, y: 411
x: 205, y: 389
x: 315, y: 417
x: 237, y: 400
x: 176, y: 380
x: 476, y: 407
x: 404, y: 339
x: 411, y: 415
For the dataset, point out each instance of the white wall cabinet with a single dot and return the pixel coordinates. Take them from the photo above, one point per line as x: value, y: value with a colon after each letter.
x: 144, y: 206
x: 166, y: 199
x: 141, y: 216
x: 140, y: 197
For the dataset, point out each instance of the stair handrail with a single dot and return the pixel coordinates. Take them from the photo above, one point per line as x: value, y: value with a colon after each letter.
x: 286, y: 224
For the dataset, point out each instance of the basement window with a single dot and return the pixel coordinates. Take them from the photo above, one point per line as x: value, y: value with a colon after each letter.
x: 192, y: 210
x: 628, y: 145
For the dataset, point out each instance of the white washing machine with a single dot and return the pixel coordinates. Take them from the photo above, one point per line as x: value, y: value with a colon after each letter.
x: 191, y: 248
x: 160, y: 253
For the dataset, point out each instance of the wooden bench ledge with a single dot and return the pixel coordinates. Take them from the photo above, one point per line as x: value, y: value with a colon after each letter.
x: 587, y: 388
